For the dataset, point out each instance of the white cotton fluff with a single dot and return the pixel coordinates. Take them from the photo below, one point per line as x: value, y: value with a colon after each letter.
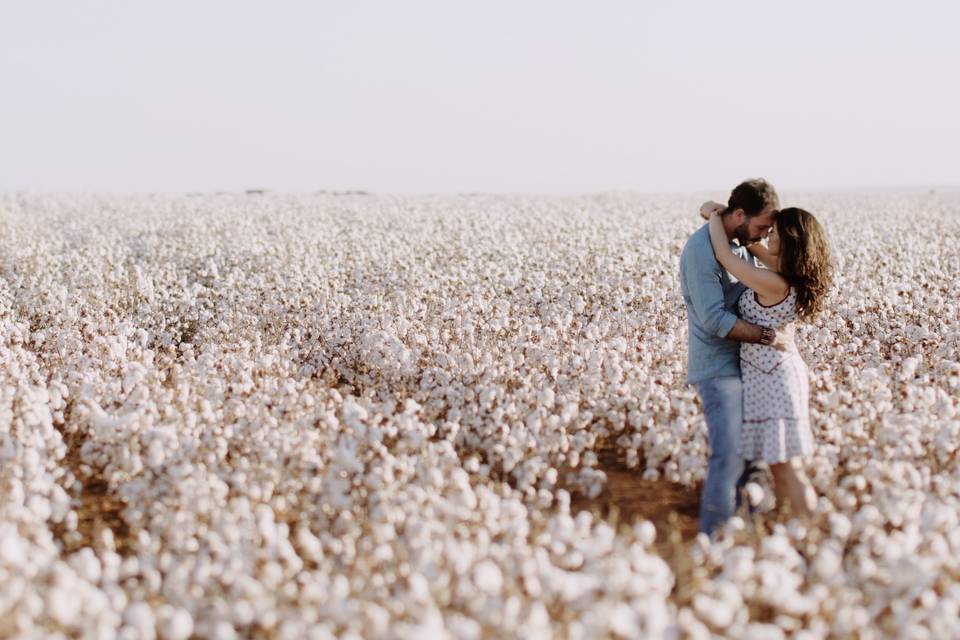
x: 754, y: 493
x: 716, y: 613
x: 908, y: 368
x: 488, y: 577
x: 178, y: 626
x: 343, y: 415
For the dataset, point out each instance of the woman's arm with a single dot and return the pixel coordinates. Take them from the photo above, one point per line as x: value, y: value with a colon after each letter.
x: 766, y: 283
x: 756, y: 249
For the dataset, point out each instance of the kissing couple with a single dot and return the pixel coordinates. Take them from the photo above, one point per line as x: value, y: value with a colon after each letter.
x: 743, y: 301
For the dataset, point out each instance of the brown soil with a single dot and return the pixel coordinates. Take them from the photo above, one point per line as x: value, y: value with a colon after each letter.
x: 673, y: 509
x: 96, y: 506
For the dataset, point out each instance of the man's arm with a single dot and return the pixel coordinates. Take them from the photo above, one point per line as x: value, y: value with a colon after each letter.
x: 701, y: 273
x: 744, y: 331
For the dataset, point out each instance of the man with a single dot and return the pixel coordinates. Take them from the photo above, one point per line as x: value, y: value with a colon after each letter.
x: 714, y: 334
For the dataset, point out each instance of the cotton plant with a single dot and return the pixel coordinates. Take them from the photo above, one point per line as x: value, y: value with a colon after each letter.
x: 371, y: 416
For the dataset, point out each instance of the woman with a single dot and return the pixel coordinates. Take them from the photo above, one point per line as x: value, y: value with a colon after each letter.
x: 798, y: 273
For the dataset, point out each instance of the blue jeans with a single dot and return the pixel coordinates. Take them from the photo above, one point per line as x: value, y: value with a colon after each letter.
x: 727, y: 471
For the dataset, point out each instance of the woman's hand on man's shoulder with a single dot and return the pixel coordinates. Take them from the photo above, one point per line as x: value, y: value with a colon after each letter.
x: 708, y: 207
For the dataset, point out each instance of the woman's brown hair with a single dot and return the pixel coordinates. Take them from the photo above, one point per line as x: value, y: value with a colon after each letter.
x: 805, y: 259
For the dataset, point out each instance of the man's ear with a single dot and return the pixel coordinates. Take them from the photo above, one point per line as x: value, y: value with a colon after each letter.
x: 739, y: 215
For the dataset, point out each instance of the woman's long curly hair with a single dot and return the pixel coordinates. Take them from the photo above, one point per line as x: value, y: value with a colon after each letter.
x: 806, y: 262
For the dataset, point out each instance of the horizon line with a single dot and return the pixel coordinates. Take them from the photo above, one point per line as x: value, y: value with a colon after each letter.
x: 261, y: 190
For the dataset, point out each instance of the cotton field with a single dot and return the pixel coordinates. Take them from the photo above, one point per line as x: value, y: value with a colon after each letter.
x: 349, y: 415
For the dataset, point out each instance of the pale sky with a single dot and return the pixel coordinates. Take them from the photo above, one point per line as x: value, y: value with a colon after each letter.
x: 452, y: 96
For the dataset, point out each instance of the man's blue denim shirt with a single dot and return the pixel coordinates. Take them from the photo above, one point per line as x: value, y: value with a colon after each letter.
x: 711, y: 295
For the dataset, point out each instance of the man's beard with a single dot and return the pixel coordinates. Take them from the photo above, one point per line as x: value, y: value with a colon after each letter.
x: 742, y: 234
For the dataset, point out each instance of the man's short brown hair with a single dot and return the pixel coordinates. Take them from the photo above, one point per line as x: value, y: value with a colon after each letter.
x: 753, y: 196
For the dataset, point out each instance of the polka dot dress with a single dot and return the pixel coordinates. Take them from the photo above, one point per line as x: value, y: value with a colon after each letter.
x: 776, y: 413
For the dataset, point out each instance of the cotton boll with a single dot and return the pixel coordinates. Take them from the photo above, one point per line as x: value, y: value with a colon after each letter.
x: 945, y: 406
x: 11, y: 547
x: 623, y: 621
x: 135, y: 373
x: 645, y: 532
x: 716, y: 613
x: 590, y: 459
x: 310, y: 544
x: 738, y: 564
x: 156, y: 454
x: 695, y: 629
x: 547, y: 398
x: 908, y: 368
x: 828, y: 561
x: 87, y: 565
x: 39, y: 507
x: 139, y: 618
x: 754, y: 493
x: 108, y: 426
x: 144, y: 284
x: 63, y: 606
x: 488, y: 578
x: 855, y: 482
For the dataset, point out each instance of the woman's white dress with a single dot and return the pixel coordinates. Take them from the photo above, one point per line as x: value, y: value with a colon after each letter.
x: 776, y: 388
